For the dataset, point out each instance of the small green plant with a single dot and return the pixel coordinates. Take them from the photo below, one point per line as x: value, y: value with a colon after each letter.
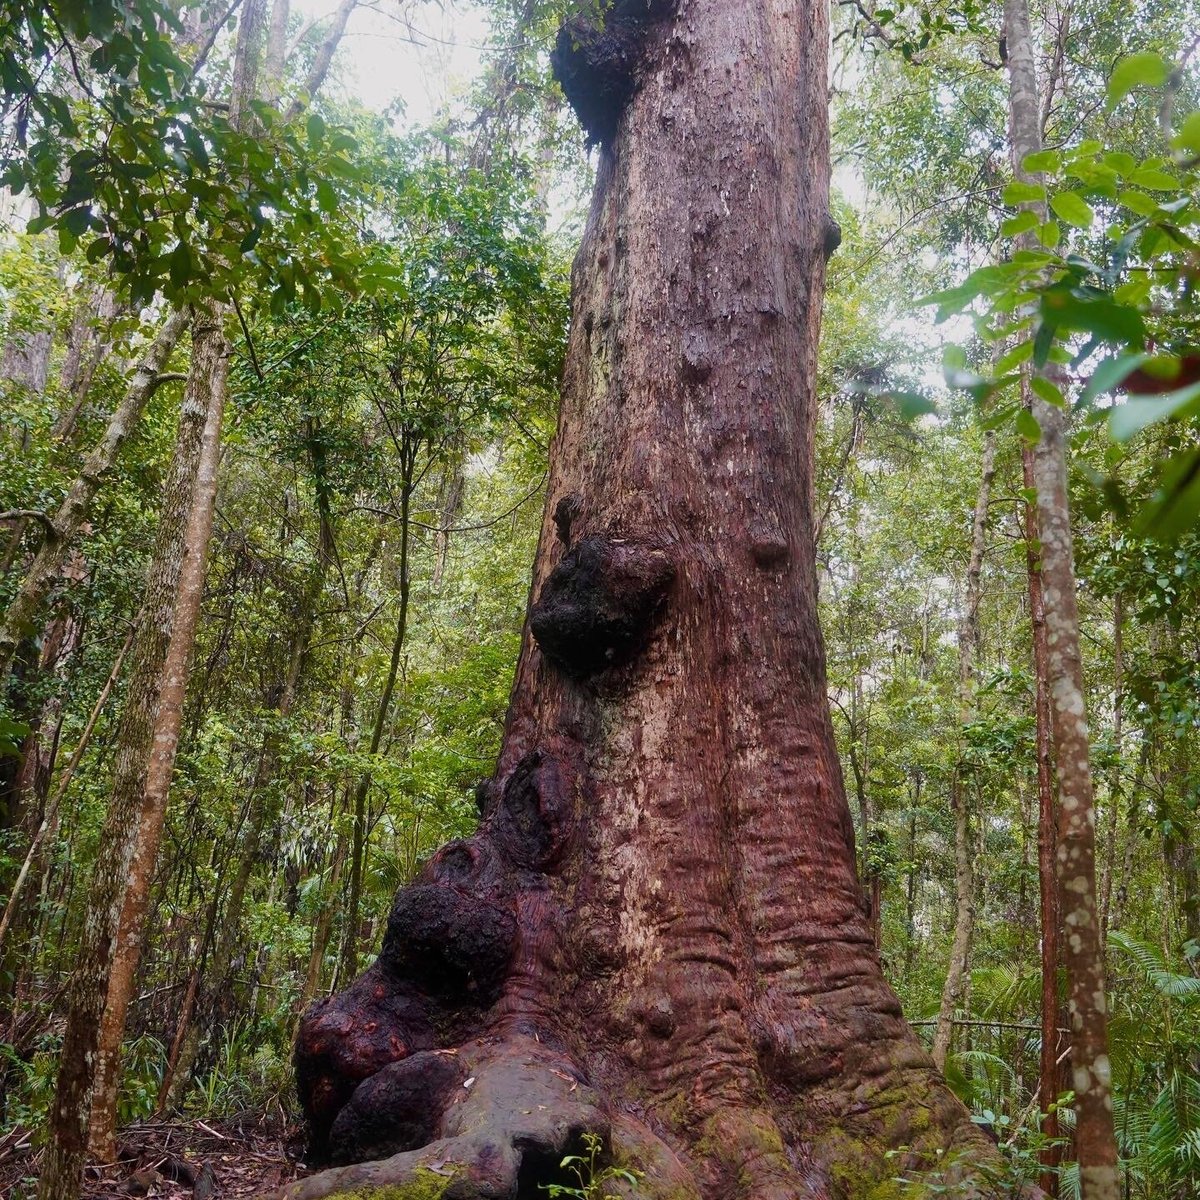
x: 592, y: 1178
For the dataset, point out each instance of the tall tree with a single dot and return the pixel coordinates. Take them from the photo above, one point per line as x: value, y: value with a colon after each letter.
x: 1082, y: 942
x: 88, y: 987
x: 658, y: 933
x: 151, y: 784
x: 964, y: 836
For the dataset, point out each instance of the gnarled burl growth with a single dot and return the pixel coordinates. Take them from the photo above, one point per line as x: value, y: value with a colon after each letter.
x: 657, y: 933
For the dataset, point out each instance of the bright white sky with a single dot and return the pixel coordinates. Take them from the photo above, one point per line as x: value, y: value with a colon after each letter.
x: 421, y: 53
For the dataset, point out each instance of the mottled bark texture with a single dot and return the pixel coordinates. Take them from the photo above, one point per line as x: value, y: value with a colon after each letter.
x: 658, y: 933
x: 1075, y: 856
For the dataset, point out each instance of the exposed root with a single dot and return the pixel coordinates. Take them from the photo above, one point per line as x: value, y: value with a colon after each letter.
x: 518, y: 1109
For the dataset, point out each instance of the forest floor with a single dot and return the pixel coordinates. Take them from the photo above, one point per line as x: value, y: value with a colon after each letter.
x: 234, y: 1159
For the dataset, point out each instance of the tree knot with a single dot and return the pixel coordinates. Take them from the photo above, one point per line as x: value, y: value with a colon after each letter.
x: 599, y: 604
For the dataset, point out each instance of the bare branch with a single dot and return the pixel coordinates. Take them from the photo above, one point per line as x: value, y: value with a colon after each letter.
x: 323, y: 58
x: 30, y: 514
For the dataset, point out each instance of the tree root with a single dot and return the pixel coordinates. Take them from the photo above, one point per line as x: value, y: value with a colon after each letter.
x: 515, y: 1108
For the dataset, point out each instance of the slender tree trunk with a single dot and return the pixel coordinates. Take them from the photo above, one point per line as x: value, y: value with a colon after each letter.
x: 73, y: 511
x: 1082, y: 946
x: 86, y: 349
x: 66, y: 1149
x: 1114, y: 786
x: 964, y: 848
x: 1048, y: 1071
x: 51, y: 811
x: 658, y: 931
x: 208, y: 378
x: 323, y: 58
x: 349, y: 964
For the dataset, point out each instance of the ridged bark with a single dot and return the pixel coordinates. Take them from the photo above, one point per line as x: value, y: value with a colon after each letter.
x: 658, y: 932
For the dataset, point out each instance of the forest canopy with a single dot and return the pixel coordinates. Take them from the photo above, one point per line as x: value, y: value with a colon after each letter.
x: 299, y: 389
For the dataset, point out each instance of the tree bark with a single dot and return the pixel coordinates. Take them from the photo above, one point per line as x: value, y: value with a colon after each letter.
x: 67, y: 1145
x: 208, y: 378
x: 964, y: 848
x: 1114, y: 786
x: 1047, y: 848
x: 72, y: 512
x: 1082, y: 945
x: 658, y: 932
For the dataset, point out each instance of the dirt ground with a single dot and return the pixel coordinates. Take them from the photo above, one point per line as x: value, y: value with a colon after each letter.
x: 244, y: 1156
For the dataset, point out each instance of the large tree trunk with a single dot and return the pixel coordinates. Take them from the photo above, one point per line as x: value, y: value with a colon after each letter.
x: 658, y: 932
x: 1082, y: 944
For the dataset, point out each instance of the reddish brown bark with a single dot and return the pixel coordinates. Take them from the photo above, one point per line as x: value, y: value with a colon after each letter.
x: 658, y: 932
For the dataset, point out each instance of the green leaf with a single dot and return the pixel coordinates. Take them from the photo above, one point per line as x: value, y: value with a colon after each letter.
x: 1154, y: 179
x: 1049, y: 391
x: 1015, y: 357
x: 1021, y: 223
x: 1134, y: 293
x: 1042, y: 160
x: 1138, y: 412
x: 179, y: 265
x: 1138, y: 202
x: 1093, y: 314
x: 1020, y: 192
x: 1188, y: 137
x: 1049, y: 234
x: 1121, y: 162
x: 1073, y: 209
x: 1144, y: 69
x: 1028, y: 427
x: 316, y: 129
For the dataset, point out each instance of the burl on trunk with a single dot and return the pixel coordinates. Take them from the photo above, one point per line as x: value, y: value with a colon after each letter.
x: 657, y: 933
